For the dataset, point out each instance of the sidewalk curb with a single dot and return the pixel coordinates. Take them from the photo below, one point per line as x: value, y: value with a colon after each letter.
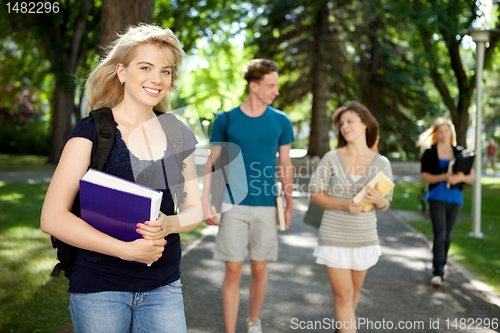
x: 487, y: 291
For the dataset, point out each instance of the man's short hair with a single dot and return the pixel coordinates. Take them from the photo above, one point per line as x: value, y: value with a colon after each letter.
x: 257, y: 68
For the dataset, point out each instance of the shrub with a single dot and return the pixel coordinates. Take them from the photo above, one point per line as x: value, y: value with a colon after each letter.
x: 32, y: 137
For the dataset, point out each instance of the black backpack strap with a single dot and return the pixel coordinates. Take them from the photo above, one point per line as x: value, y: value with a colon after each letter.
x: 173, y: 130
x: 57, y: 270
x: 225, y: 138
x: 226, y: 126
x: 106, y: 128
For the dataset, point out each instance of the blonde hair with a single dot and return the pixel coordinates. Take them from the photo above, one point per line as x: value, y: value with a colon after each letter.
x: 429, y: 137
x: 104, y: 89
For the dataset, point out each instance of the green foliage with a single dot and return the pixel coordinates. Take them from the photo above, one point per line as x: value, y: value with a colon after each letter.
x: 289, y: 39
x: 480, y: 256
x: 32, y: 137
x: 211, y: 77
x: 389, y: 78
x: 491, y: 106
x: 28, y: 56
x: 218, y: 85
x: 440, y: 40
x: 195, y: 20
x: 369, y: 59
x: 22, y: 61
x: 25, y: 84
x: 46, y: 56
x: 406, y: 71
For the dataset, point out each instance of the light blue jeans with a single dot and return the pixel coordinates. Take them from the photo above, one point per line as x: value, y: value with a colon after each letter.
x: 160, y: 310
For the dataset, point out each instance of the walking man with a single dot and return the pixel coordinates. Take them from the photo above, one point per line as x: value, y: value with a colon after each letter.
x: 491, y: 155
x: 250, y: 227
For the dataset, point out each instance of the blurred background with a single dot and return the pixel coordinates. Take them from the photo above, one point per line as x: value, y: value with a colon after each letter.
x: 407, y: 61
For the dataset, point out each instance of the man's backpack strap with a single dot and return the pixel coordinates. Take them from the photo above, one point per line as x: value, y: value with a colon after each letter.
x: 173, y: 130
x: 105, y: 129
x: 226, y: 126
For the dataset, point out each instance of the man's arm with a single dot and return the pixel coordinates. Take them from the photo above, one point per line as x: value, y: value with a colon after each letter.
x: 286, y: 177
x: 209, y: 210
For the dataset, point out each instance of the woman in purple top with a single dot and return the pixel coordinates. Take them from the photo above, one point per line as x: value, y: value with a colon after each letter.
x: 110, y: 291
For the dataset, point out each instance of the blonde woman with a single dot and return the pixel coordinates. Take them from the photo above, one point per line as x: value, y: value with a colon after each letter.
x: 348, y: 242
x: 109, y: 293
x: 445, y: 202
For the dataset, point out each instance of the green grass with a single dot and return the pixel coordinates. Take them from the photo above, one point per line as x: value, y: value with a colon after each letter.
x: 480, y: 256
x: 189, y: 237
x: 30, y: 300
x: 11, y: 162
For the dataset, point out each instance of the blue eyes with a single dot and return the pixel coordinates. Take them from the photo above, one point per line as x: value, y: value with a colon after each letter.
x: 166, y: 72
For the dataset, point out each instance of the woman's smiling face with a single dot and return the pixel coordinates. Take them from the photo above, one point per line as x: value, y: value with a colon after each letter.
x: 148, y: 77
x: 351, y: 126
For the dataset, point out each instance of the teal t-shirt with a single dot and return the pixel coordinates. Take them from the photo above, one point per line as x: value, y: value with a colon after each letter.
x: 259, y: 139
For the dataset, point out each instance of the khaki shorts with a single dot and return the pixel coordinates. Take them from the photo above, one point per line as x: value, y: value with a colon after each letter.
x: 247, y: 229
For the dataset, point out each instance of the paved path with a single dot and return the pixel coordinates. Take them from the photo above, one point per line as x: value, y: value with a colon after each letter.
x: 26, y: 176
x: 396, y: 290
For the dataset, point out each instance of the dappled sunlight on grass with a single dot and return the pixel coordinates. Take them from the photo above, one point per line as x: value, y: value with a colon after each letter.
x: 15, y: 197
x: 479, y: 255
x: 41, y: 267
x: 24, y: 233
x: 23, y: 252
x: 25, y: 271
x: 30, y: 300
x: 491, y: 180
x: 20, y: 251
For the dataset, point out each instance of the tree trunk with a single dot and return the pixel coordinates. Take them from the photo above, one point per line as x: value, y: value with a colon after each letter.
x: 319, y: 143
x: 117, y: 15
x: 64, y: 105
x: 460, y: 119
x: 64, y: 62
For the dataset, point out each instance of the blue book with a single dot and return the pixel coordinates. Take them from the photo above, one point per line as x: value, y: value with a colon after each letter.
x: 114, y: 205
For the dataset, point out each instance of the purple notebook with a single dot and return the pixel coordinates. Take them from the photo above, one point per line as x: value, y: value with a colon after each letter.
x: 114, y: 205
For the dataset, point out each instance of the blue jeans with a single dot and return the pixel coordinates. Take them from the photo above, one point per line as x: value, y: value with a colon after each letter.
x: 158, y: 310
x: 443, y: 217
